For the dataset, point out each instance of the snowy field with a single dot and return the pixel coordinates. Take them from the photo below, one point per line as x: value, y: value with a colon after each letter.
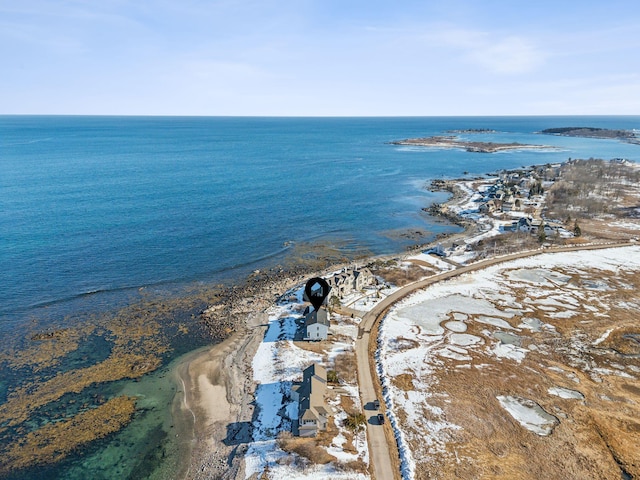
x: 278, y: 363
x: 488, y: 319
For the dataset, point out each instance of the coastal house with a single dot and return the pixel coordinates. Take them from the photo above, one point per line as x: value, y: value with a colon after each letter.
x: 316, y: 324
x: 552, y: 227
x: 488, y: 207
x: 362, y: 278
x: 509, y: 204
x: 496, y: 193
x: 530, y: 225
x: 349, y: 280
x: 437, y: 250
x: 313, y: 413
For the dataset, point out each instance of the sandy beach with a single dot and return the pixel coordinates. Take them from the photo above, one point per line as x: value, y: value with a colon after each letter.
x: 215, y: 406
x: 216, y: 396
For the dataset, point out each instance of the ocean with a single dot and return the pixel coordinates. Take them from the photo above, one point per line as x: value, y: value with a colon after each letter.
x: 95, y: 210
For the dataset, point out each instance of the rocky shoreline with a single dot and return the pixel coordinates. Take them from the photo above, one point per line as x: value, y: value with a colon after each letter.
x: 221, y: 375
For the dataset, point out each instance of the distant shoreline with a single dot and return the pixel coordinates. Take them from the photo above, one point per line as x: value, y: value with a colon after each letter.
x: 443, y: 141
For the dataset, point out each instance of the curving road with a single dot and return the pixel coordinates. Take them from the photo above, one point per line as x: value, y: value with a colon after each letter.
x: 383, y: 451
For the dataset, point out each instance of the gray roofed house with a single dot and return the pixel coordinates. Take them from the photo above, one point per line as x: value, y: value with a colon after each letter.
x: 317, y: 324
x: 313, y: 413
x: 348, y: 281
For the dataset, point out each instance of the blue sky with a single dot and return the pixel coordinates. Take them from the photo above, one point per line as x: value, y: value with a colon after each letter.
x: 319, y: 57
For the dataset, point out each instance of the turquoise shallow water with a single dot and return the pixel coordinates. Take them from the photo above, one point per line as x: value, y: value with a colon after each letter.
x: 94, y: 208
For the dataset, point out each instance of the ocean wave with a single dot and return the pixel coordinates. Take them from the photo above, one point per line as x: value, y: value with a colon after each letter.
x: 26, y: 142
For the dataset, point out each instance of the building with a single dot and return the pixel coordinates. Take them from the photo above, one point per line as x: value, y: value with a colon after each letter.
x: 437, y: 250
x: 488, y: 207
x: 530, y: 225
x: 316, y: 324
x: 348, y: 281
x: 313, y: 413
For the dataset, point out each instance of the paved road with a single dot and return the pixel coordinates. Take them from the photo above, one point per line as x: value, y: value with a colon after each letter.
x: 379, y: 448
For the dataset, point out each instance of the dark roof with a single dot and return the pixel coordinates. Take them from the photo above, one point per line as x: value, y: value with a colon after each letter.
x: 321, y: 317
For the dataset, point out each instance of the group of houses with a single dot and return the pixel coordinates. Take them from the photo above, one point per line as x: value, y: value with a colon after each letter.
x: 514, y: 192
x: 313, y: 413
x: 349, y: 280
x: 341, y: 284
x: 503, y: 196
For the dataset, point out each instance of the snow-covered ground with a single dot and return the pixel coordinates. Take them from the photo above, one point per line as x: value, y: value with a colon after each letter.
x: 488, y: 225
x: 500, y: 305
x: 436, y: 262
x: 277, y: 363
x: 529, y: 414
x: 368, y: 298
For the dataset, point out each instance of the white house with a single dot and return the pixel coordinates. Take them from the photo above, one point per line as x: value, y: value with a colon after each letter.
x: 316, y: 324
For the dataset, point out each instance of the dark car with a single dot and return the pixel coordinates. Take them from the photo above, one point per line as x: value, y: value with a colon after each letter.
x: 380, y: 418
x: 376, y: 404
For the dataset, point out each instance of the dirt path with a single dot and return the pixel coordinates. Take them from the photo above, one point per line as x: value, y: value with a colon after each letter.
x: 383, y: 450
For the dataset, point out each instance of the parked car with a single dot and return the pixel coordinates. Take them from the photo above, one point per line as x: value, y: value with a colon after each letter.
x: 376, y: 404
x: 381, y: 418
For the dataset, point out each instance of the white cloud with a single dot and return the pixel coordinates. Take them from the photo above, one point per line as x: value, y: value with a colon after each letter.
x: 494, y: 53
x: 511, y: 55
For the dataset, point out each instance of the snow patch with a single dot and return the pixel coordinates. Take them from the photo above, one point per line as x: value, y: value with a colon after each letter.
x: 566, y: 393
x: 529, y: 414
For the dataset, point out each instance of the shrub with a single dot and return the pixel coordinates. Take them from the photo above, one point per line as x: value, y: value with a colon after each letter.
x: 355, y: 421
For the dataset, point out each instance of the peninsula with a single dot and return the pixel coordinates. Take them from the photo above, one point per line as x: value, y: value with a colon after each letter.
x: 447, y: 141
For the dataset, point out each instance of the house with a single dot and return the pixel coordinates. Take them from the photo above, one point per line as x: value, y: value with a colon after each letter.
x: 341, y: 284
x: 488, y: 207
x: 437, y: 250
x: 349, y: 280
x: 508, y: 204
x: 555, y: 228
x: 313, y: 413
x: 316, y: 324
x: 361, y: 278
x: 528, y: 224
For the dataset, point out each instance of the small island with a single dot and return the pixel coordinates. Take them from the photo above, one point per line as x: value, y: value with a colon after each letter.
x: 473, y: 130
x: 628, y: 136
x: 477, y: 147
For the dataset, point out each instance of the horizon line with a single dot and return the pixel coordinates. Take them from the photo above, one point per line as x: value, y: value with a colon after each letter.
x: 151, y: 115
